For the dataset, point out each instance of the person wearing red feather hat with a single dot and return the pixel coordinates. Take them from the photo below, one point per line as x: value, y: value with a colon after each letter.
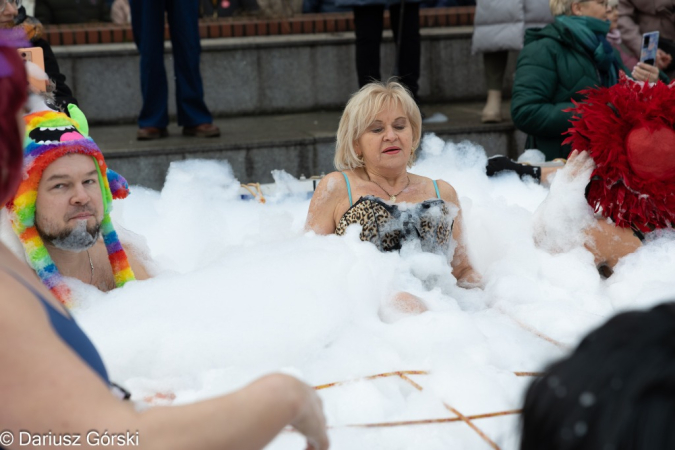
x: 624, y: 141
x: 629, y: 131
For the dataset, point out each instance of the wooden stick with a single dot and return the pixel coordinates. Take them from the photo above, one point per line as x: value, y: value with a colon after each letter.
x: 467, y: 421
x: 534, y: 331
x: 372, y: 377
x: 402, y: 374
x: 529, y: 374
x: 415, y: 385
x: 460, y: 417
x: 431, y: 421
x: 257, y: 194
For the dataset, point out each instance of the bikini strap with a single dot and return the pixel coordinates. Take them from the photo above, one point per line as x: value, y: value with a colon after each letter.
x: 349, y: 189
x: 438, y: 194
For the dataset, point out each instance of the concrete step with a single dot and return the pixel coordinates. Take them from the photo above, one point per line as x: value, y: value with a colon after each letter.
x: 302, y: 143
x: 272, y: 74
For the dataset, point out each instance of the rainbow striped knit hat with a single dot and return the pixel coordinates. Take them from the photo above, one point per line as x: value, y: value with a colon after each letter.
x: 49, y: 136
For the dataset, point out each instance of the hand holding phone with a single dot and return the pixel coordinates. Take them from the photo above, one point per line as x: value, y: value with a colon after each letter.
x: 663, y: 59
x: 645, y: 72
x: 35, y: 55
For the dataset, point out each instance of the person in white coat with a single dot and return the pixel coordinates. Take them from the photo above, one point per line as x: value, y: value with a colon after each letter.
x: 499, y: 27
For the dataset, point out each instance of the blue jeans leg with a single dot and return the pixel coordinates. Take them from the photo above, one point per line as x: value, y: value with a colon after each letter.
x: 147, y: 20
x: 184, y: 25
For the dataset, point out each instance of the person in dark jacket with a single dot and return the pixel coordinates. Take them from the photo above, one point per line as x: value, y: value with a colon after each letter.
x: 614, y: 391
x: 15, y: 15
x: 217, y: 8
x: 558, y: 61
x: 322, y: 6
x: 369, y: 24
x: 71, y: 11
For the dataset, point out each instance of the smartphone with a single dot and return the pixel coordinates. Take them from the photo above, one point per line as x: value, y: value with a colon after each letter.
x: 650, y: 43
x: 36, y: 56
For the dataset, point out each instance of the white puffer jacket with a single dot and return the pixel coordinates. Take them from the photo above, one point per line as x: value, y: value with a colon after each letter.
x: 501, y: 24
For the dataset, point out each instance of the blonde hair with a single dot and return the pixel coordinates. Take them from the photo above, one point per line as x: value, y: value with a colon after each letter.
x: 360, y: 112
x: 561, y: 7
x: 613, y: 3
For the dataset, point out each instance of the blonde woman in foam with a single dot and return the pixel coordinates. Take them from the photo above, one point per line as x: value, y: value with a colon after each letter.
x: 379, y: 132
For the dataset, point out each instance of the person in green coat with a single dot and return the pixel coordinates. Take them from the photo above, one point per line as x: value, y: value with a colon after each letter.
x: 558, y: 61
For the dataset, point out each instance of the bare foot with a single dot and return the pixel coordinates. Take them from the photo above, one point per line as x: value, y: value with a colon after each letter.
x: 401, y: 305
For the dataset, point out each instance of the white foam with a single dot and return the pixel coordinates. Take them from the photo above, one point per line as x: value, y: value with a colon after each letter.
x: 241, y: 290
x: 532, y: 156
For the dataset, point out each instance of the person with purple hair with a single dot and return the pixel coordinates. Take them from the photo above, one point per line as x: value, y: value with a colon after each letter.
x: 53, y: 381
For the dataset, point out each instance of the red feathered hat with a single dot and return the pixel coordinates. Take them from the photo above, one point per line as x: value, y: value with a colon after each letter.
x: 629, y: 131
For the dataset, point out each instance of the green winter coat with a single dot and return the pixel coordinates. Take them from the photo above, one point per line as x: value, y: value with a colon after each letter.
x: 552, y: 68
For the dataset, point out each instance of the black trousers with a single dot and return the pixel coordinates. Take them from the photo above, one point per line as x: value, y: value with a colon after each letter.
x: 369, y: 23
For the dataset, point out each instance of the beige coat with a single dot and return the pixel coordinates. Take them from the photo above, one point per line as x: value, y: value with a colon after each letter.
x: 642, y: 16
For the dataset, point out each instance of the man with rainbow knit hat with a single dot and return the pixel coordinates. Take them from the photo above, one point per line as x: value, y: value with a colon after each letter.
x: 63, y: 204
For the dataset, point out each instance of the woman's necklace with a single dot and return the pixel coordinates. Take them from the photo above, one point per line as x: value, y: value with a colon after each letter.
x: 392, y: 198
x: 91, y: 264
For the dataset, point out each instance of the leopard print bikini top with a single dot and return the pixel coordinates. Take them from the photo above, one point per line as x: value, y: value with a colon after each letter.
x: 389, y: 226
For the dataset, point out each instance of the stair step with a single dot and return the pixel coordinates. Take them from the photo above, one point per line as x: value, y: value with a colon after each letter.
x: 302, y: 143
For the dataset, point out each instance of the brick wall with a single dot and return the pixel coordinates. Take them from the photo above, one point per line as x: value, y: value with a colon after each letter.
x: 105, y: 33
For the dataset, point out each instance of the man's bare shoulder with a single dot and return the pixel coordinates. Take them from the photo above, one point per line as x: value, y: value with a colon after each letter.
x: 138, y: 258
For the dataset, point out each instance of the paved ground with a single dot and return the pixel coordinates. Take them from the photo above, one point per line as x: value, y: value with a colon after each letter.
x: 280, y: 130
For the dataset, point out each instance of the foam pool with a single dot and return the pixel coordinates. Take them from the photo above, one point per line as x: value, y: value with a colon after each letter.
x: 241, y: 290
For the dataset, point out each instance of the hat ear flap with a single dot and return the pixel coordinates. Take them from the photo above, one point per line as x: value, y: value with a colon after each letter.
x: 78, y: 116
x: 118, y: 185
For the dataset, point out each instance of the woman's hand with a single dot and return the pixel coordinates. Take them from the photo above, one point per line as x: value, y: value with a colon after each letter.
x: 663, y: 59
x: 645, y: 72
x: 462, y: 270
x: 468, y: 278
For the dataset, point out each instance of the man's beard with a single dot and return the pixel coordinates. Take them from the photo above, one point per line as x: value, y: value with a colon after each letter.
x: 79, y: 239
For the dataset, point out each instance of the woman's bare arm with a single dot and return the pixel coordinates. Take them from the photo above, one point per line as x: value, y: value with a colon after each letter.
x: 322, y: 215
x: 461, y: 266
x: 46, y: 387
